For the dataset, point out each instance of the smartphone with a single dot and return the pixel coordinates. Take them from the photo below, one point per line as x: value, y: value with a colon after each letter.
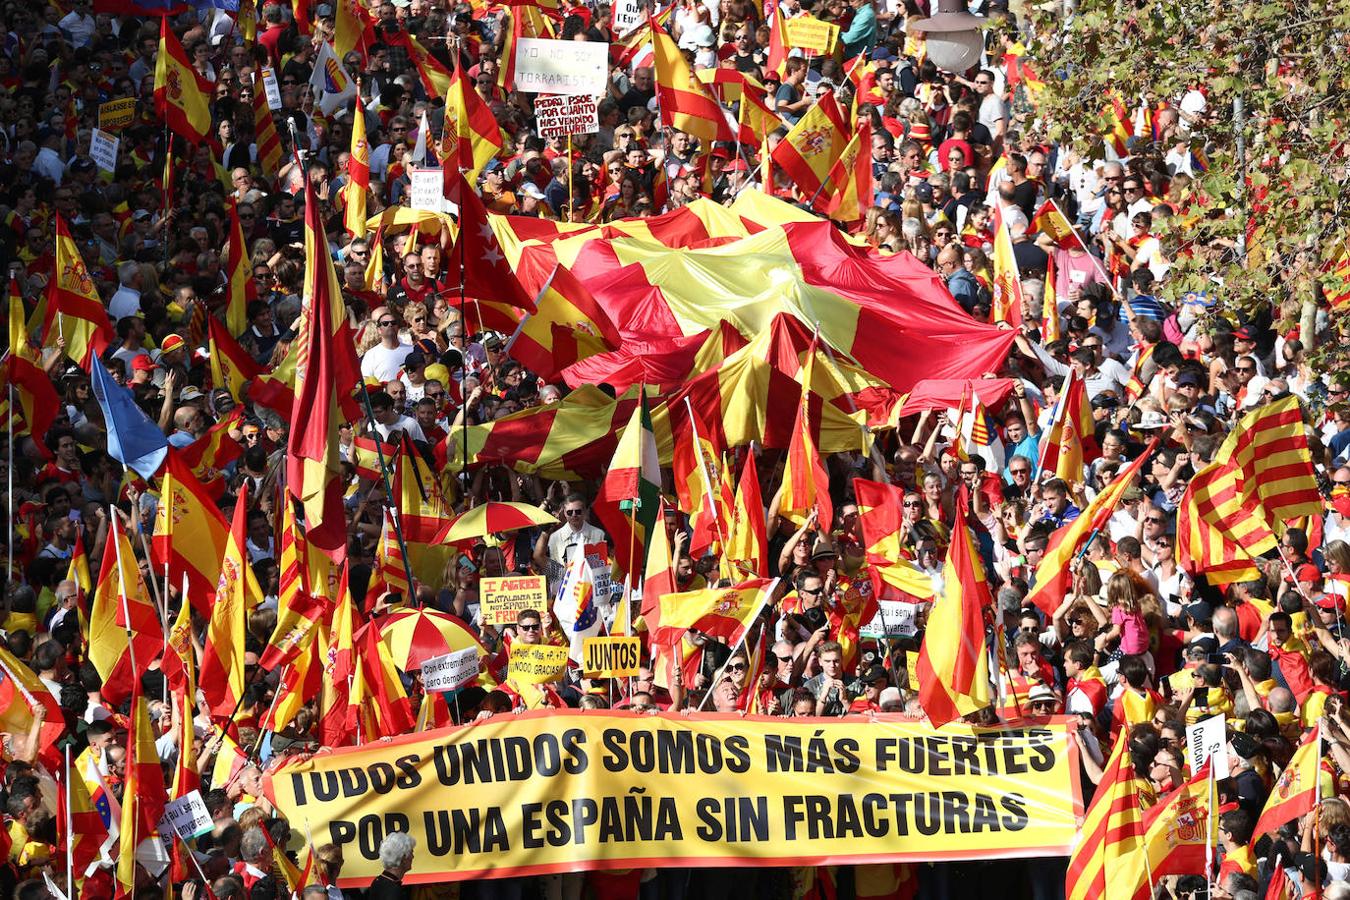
x: 467, y: 564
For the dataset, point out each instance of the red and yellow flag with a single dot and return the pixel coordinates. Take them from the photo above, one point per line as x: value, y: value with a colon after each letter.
x: 33, y: 390
x: 1050, y: 221
x: 242, y: 288
x: 143, y: 793
x: 806, y: 483
x: 1007, y: 279
x: 74, y: 310
x: 851, y: 188
x: 628, y: 500
x: 721, y: 613
x: 1050, y: 327
x: 471, y: 135
x: 358, y: 173
x: 953, y: 664
x: 814, y: 145
x: 379, y: 707
x: 1107, y: 862
x: 231, y: 365
x: 686, y: 104
x: 1118, y: 127
x: 1296, y: 791
x: 191, y: 534
x: 301, y: 681
x: 1176, y: 831
x: 435, y: 76
x: 237, y: 592
x: 337, y: 649
x: 1069, y: 443
x: 182, y: 97
x: 747, y: 548
x: 658, y: 578
x: 265, y: 138
x: 120, y: 607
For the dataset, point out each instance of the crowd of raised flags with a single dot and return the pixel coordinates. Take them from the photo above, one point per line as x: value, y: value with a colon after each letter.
x: 800, y: 355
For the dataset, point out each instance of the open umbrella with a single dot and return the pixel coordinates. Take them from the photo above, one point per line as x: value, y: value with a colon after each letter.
x: 415, y: 635
x: 495, y: 517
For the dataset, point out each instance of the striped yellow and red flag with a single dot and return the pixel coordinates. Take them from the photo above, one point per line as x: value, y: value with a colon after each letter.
x: 686, y: 104
x: 628, y: 500
x: 1136, y: 386
x: 33, y: 390
x: 74, y: 309
x: 1053, y: 223
x: 953, y: 663
x: 326, y: 371
x: 379, y: 707
x: 182, y: 97
x: 143, y: 793
x: 302, y: 596
x: 851, y: 187
x: 1050, y: 326
x: 658, y: 577
x: 337, y: 649
x: 1070, y: 441
x: 242, y: 289
x: 1236, y: 508
x: 191, y: 534
x: 390, y: 573
x: 1296, y: 791
x: 756, y: 120
x: 471, y: 135
x: 694, y: 462
x: 747, y: 543
x: 1053, y: 575
x: 1107, y: 862
x: 237, y: 592
x: 1177, y: 829
x: 301, y: 680
x: 358, y: 173
x: 350, y: 27
x: 880, y: 516
x: 179, y: 664
x: 265, y: 136
x: 1337, y: 280
x: 720, y: 613
x: 814, y: 145
x: 1118, y: 127
x: 78, y: 570
x: 435, y: 76
x: 1007, y: 280
x: 806, y: 483
x: 121, y: 606
x: 777, y: 53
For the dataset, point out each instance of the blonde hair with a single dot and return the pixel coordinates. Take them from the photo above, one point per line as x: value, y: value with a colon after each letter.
x: 1120, y: 592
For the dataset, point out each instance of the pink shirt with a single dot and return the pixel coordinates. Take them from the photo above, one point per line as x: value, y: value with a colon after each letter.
x: 1133, y: 631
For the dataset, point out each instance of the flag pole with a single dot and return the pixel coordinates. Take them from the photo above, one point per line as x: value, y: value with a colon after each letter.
x: 571, y: 200
x: 1209, y: 844
x: 70, y: 830
x: 9, y: 488
x: 764, y: 596
x: 389, y: 501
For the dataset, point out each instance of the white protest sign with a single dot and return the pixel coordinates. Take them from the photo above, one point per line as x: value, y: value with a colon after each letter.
x: 894, y: 618
x: 188, y: 816
x: 1208, y: 739
x: 561, y: 67
x: 103, y: 150
x: 627, y: 16
x: 450, y: 671
x: 561, y: 116
x: 426, y: 189
x: 270, y: 88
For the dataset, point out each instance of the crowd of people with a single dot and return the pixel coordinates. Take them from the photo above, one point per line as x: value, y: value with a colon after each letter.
x: 1140, y: 641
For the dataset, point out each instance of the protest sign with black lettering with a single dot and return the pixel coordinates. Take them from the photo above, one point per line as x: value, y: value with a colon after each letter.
x: 560, y: 116
x: 103, y: 149
x: 536, y: 663
x: 611, y: 657
x: 894, y: 618
x: 561, y: 67
x: 450, y: 671
x: 627, y: 15
x: 188, y: 816
x: 116, y: 114
x: 426, y: 189
x: 504, y: 598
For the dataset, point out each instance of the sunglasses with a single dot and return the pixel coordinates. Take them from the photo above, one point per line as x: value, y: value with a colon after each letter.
x: 387, y: 323
x: 912, y: 504
x: 535, y: 627
x: 736, y: 667
x: 782, y: 659
x: 1152, y: 520
x: 574, y: 512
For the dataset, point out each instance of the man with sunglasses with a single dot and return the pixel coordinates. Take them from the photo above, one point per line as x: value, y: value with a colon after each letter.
x: 385, y: 359
x: 558, y: 549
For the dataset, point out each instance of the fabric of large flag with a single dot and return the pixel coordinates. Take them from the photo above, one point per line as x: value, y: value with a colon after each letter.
x: 1007, y: 279
x: 806, y: 483
x: 1107, y: 861
x: 182, y: 97
x: 486, y: 273
x: 575, y: 607
x: 953, y: 663
x: 143, y: 794
x: 1236, y: 508
x: 1070, y: 442
x: 351, y: 27
x: 241, y: 288
x: 627, y: 501
x: 470, y: 134
x: 850, y: 190
x: 232, y: 367
x: 1053, y: 575
x: 326, y: 370
x: 685, y: 103
x: 721, y: 613
x: 237, y: 592
x: 191, y: 534
x: 747, y: 546
x: 1176, y: 831
x: 814, y: 145
x: 1295, y: 792
x: 265, y: 137
x: 133, y: 439
x: 358, y: 173
x: 33, y: 390
x: 74, y: 310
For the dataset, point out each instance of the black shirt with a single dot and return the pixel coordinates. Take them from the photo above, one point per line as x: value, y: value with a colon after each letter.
x: 387, y: 887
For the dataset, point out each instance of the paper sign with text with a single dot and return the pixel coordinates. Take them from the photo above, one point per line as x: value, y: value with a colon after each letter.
x: 426, y: 190
x: 451, y: 671
x: 188, y: 816
x: 627, y: 16
x: 503, y: 598
x: 1208, y: 739
x: 561, y: 67
x: 116, y: 114
x: 611, y: 657
x: 271, y: 89
x: 536, y: 663
x: 561, y: 116
x: 810, y: 33
x: 103, y: 150
x: 894, y: 618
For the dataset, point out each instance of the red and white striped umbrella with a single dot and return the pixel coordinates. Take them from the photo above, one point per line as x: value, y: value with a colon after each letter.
x: 496, y: 517
x: 416, y: 635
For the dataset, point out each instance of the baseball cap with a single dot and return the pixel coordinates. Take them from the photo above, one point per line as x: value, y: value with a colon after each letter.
x: 143, y: 363
x: 1132, y: 493
x: 1242, y: 334
x: 1330, y: 601
x: 189, y: 393
x: 171, y: 343
x: 414, y: 360
x: 874, y: 673
x: 530, y: 189
x: 721, y: 153
x: 1200, y: 611
x: 1307, y: 572
x: 1210, y: 645
x: 494, y: 165
x: 1186, y: 378
x: 882, y: 54
x: 923, y: 192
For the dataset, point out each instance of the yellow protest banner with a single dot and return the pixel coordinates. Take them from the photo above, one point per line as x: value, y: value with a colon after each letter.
x: 116, y: 114
x: 571, y: 790
x: 503, y: 598
x: 536, y: 663
x: 611, y: 657
x: 810, y: 33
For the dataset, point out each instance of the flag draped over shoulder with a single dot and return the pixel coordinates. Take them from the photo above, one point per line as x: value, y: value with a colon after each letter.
x: 182, y: 97
x: 631, y: 492
x: 1236, y: 508
x: 953, y: 665
x: 1107, y: 862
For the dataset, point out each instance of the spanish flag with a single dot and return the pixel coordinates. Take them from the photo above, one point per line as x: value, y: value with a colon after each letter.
x: 121, y: 607
x: 231, y: 365
x: 33, y: 390
x: 747, y: 544
x: 1107, y: 863
x: 182, y: 97
x: 953, y: 665
x: 806, y: 483
x: 74, y: 310
x: 851, y: 190
x: 685, y: 103
x: 358, y: 173
x: 721, y: 613
x: 222, y: 676
x: 301, y: 680
x: 180, y: 659
x: 814, y: 145
x: 242, y: 288
x: 1070, y: 442
x: 191, y: 534
x: 337, y: 650
x: 143, y: 795
x: 1177, y: 829
x: 1296, y: 792
x: 379, y: 706
x: 1007, y: 279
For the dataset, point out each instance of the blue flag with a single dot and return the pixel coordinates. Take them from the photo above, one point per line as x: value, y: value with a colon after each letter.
x: 133, y: 440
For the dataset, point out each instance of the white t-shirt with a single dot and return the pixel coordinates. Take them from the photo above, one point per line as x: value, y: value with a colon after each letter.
x: 992, y: 111
x: 405, y: 424
x: 383, y: 363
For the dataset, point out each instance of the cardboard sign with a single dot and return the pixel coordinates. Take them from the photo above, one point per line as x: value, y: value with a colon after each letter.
x: 426, y: 190
x: 627, y: 16
x: 188, y: 816
x: 116, y: 114
x: 561, y: 116
x: 536, y: 663
x: 894, y: 619
x: 503, y: 598
x: 451, y: 671
x: 811, y: 34
x: 103, y: 150
x: 1208, y: 739
x: 611, y: 657
x: 271, y: 88
x: 561, y: 67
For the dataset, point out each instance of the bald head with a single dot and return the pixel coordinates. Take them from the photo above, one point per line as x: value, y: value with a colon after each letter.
x: 1282, y: 700
x: 1225, y: 624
